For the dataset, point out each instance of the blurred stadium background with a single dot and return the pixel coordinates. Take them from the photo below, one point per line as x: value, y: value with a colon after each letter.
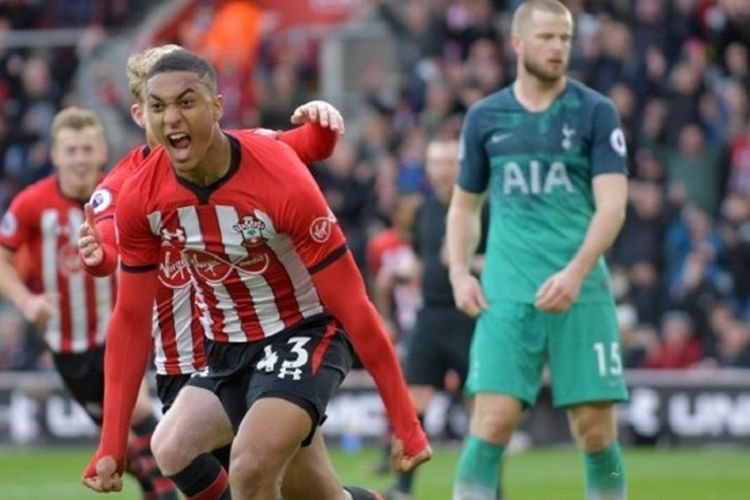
x: 402, y: 72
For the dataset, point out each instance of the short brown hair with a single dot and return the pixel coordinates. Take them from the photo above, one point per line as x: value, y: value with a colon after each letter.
x: 523, y: 12
x: 141, y: 63
x: 76, y: 118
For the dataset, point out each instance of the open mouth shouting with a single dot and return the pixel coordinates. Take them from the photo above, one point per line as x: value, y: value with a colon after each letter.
x: 179, y: 143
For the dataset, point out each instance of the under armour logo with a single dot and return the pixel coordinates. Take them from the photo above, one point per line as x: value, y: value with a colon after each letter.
x: 167, y: 236
x: 295, y: 373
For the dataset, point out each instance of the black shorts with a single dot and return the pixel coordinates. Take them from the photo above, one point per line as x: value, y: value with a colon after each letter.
x: 440, y: 342
x: 304, y: 365
x: 168, y: 386
x: 83, y: 376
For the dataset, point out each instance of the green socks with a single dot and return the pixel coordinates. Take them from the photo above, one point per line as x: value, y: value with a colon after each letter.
x: 605, y: 474
x: 478, y: 475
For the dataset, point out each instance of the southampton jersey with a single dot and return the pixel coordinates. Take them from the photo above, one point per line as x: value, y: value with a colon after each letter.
x: 250, y: 241
x: 47, y: 222
x: 538, y: 168
x: 178, y: 340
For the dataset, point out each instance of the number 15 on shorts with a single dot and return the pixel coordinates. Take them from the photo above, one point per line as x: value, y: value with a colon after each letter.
x: 608, y: 360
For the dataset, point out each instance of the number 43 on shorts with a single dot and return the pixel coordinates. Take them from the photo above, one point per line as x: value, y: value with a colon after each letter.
x: 292, y: 366
x: 608, y: 365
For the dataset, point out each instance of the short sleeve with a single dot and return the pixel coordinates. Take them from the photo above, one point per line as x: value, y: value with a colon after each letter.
x: 608, y: 148
x: 306, y: 218
x: 17, y: 221
x: 475, y: 169
x: 139, y: 247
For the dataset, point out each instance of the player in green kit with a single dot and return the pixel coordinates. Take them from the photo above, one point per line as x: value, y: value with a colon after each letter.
x: 550, y: 154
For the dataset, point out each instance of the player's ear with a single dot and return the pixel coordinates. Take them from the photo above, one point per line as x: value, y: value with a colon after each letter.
x: 136, y: 113
x: 515, y: 42
x: 218, y: 107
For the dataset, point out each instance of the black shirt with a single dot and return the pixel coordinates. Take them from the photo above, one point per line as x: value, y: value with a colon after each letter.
x: 428, y: 239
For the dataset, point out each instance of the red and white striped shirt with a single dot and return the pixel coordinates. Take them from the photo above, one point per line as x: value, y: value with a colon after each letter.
x: 249, y: 250
x: 178, y: 338
x: 42, y: 218
x: 177, y: 329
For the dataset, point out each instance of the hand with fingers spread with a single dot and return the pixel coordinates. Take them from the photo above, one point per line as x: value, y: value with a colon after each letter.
x: 320, y: 112
x: 103, y: 476
x: 560, y: 290
x: 89, y: 241
x: 405, y: 463
x: 467, y: 292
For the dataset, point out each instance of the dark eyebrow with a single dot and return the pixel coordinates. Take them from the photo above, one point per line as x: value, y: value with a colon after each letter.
x: 182, y: 94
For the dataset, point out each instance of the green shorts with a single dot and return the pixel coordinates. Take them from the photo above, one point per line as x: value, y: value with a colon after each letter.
x: 513, y: 340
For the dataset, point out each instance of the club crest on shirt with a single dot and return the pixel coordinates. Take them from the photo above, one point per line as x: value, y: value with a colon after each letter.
x: 9, y: 224
x: 251, y: 228
x: 568, y: 133
x: 101, y: 200
x: 68, y: 262
x: 321, y: 227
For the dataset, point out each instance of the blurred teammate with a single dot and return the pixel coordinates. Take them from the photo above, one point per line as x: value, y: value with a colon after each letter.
x: 442, y: 335
x: 552, y: 154
x: 73, y: 308
x: 265, y: 254
x: 177, y: 329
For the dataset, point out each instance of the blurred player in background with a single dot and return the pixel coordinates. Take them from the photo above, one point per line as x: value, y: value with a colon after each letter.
x: 73, y: 307
x: 265, y: 254
x: 177, y: 330
x: 552, y: 155
x: 439, y: 347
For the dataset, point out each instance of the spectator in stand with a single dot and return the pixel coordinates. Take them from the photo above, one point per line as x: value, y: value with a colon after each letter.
x: 392, y: 267
x: 678, y: 347
x: 734, y: 231
x: 347, y: 186
x: 733, y: 345
x: 697, y: 167
x: 692, y: 233
x: 695, y: 294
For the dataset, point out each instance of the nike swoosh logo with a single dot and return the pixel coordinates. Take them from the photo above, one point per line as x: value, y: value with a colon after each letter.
x: 496, y: 138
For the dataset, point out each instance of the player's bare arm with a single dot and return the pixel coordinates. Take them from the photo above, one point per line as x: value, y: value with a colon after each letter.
x: 36, y: 308
x: 462, y: 236
x: 560, y: 290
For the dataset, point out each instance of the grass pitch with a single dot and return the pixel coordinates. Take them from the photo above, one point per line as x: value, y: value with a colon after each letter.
x: 540, y: 474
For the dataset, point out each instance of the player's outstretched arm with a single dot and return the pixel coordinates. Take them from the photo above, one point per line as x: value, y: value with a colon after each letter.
x: 343, y: 292
x: 97, y: 244
x: 322, y: 126
x: 561, y: 289
x: 126, y: 356
x: 463, y: 232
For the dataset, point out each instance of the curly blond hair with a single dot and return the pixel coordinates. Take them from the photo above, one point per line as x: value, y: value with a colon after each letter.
x: 141, y: 63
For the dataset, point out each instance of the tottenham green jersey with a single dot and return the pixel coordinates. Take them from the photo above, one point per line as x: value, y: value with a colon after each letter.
x: 538, y: 168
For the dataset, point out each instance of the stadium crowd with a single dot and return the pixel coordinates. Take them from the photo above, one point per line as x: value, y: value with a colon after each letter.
x: 678, y: 72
